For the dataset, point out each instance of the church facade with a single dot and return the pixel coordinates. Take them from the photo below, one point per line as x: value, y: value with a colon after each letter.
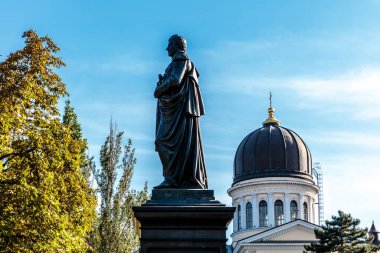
x: 274, y: 192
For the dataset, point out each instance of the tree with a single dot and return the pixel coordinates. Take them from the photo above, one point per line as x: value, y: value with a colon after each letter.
x: 45, y: 204
x: 70, y: 119
x: 342, y: 234
x: 115, y: 226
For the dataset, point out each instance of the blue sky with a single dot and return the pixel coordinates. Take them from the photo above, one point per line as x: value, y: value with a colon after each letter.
x: 320, y: 59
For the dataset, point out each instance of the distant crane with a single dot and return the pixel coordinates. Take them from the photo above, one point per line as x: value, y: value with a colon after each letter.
x: 317, y: 172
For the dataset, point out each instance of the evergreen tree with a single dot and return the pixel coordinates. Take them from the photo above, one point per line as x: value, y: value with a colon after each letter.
x: 70, y: 119
x: 115, y: 226
x: 45, y: 203
x: 342, y: 234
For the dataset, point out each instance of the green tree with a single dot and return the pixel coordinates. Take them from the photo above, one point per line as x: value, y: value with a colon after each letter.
x: 70, y: 119
x: 115, y: 226
x: 342, y: 234
x: 45, y: 204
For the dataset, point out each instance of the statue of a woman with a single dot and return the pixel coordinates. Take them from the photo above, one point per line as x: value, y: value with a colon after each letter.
x: 178, y: 134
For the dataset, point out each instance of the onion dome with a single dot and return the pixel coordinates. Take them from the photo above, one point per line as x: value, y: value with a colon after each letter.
x: 272, y: 151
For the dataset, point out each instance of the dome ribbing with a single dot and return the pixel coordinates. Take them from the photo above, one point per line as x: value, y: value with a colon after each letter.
x: 272, y: 151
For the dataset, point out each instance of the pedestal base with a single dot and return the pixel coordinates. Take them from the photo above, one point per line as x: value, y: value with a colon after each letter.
x: 178, y: 220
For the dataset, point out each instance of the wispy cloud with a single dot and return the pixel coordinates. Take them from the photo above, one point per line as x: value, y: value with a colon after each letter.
x: 351, y: 183
x: 354, y: 139
x: 356, y: 91
x: 348, y: 155
x: 293, y: 49
x: 325, y: 72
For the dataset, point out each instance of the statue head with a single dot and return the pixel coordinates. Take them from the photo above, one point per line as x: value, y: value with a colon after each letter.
x: 176, y: 43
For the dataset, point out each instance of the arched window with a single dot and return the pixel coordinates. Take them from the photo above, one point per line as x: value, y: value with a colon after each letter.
x: 263, y: 213
x: 248, y: 215
x: 239, y: 217
x: 278, y: 213
x: 293, y: 210
x: 305, y: 212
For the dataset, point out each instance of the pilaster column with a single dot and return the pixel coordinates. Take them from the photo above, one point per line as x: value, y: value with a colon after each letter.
x: 307, y: 200
x: 315, y: 214
x: 270, y: 209
x: 235, y: 204
x: 255, y: 211
x: 300, y: 207
x: 287, y: 207
x: 311, y: 213
x: 243, y: 213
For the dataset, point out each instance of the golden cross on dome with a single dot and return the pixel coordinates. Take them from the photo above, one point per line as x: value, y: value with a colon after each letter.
x: 271, y: 120
x: 270, y: 99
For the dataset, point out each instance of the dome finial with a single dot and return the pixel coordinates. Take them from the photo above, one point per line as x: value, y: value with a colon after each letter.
x: 270, y: 99
x: 271, y: 120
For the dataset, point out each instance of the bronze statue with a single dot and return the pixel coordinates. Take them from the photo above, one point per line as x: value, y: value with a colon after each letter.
x: 178, y: 134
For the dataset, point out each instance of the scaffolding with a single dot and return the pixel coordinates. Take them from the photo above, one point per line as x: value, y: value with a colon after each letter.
x: 317, y: 172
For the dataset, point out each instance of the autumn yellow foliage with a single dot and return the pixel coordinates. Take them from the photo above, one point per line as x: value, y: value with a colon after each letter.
x: 46, y: 205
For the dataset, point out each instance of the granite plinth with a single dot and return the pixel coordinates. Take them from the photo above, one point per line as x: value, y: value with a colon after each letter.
x: 182, y: 197
x: 180, y: 220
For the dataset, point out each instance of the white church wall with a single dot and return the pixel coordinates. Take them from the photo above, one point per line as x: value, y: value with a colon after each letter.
x: 271, y: 189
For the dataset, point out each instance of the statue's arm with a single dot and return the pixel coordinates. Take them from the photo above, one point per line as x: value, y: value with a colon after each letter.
x: 173, y: 79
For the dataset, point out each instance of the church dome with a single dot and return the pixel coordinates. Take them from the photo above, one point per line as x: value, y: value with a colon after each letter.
x: 272, y: 151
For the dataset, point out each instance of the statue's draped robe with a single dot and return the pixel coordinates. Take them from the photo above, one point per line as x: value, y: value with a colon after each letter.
x: 178, y: 133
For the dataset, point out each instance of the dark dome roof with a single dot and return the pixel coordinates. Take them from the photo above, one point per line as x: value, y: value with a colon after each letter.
x: 272, y: 151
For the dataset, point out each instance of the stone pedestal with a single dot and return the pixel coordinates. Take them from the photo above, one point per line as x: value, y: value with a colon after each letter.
x: 179, y: 220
